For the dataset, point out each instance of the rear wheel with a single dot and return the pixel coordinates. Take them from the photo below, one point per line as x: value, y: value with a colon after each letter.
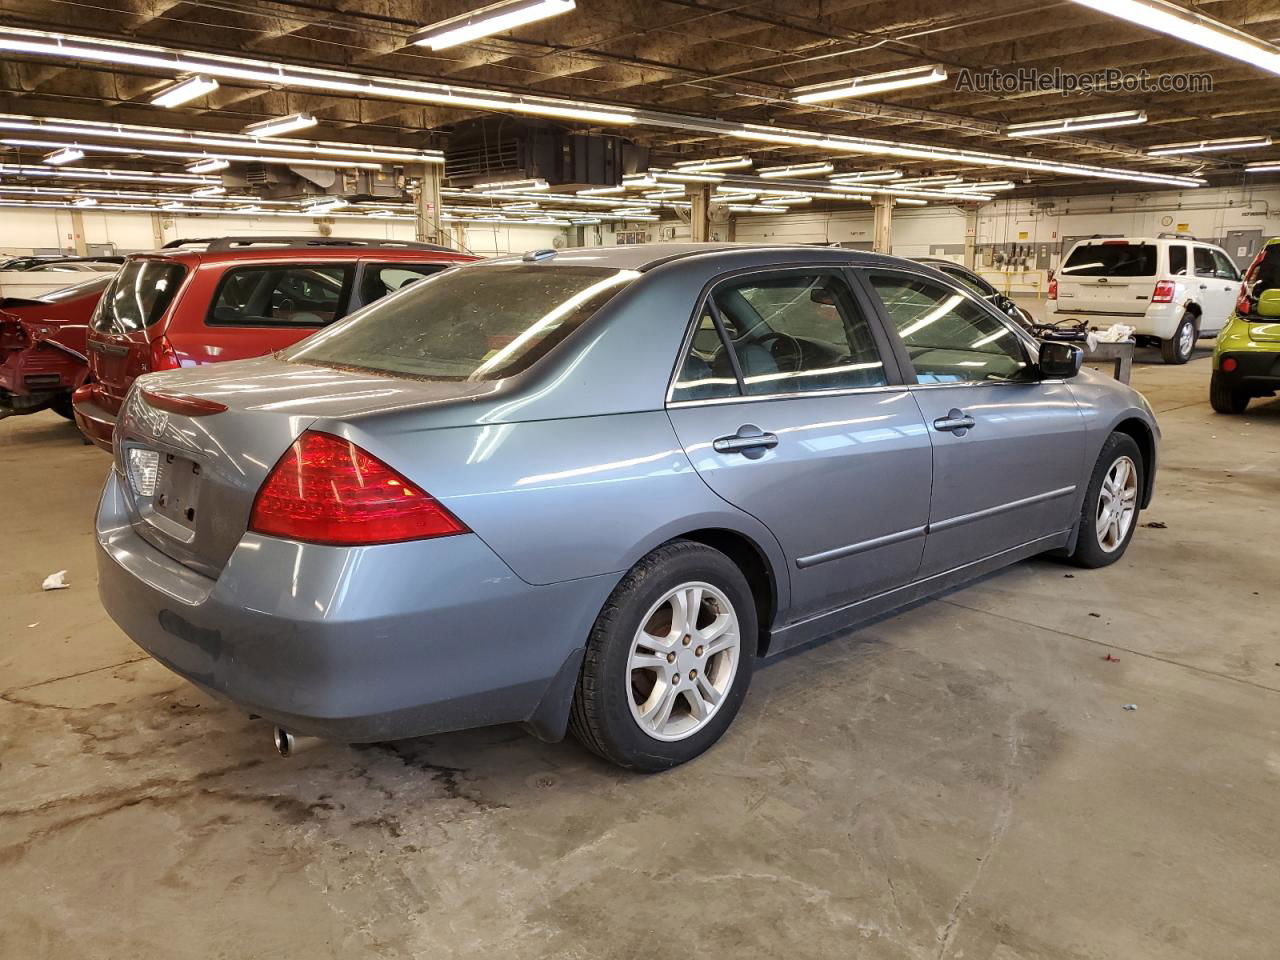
x: 668, y: 661
x: 1225, y: 397
x: 1110, y: 512
x: 1179, y: 347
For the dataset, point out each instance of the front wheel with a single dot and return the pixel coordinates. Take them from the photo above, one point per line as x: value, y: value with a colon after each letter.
x: 1110, y: 512
x: 668, y: 661
x: 1178, y: 348
x: 1226, y: 398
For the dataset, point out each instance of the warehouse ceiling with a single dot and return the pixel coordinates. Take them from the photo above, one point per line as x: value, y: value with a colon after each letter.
x: 709, y: 67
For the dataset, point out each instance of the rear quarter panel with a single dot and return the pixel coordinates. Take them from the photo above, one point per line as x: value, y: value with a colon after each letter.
x: 567, y: 498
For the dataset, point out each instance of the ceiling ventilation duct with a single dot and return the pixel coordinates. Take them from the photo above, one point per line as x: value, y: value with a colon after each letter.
x: 490, y: 149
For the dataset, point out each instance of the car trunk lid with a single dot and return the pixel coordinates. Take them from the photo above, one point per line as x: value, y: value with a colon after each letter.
x: 194, y: 446
x: 1108, y: 276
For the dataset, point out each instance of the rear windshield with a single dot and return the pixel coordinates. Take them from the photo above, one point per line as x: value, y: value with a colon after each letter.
x: 138, y: 297
x: 472, y: 323
x: 1111, y: 260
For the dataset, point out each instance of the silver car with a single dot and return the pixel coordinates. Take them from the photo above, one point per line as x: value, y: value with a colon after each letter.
x: 589, y: 490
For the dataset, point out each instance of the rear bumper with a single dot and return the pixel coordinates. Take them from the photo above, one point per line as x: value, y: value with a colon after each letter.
x: 94, y: 418
x: 355, y: 644
x: 1254, y: 370
x: 1160, y: 320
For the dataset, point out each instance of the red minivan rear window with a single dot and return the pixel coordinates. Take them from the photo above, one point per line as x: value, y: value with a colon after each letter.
x: 138, y: 296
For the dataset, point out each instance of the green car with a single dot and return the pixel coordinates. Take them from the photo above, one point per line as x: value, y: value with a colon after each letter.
x: 1246, y: 356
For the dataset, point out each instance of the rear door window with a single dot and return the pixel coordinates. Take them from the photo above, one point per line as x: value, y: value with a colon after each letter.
x: 282, y: 295
x: 1111, y: 259
x: 138, y: 296
x: 380, y: 279
x: 1205, y: 267
x: 1178, y: 260
x: 1224, y: 268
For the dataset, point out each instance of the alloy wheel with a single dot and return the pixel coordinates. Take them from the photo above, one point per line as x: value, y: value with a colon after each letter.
x: 1186, y: 339
x: 683, y: 661
x: 1117, y: 504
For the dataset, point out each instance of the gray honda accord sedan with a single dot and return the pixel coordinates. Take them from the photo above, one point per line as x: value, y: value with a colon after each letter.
x: 589, y: 490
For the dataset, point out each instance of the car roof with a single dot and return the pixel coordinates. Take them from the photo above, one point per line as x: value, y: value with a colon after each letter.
x: 646, y: 256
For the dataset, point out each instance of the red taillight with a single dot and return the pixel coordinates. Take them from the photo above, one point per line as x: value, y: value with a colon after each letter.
x: 1228, y: 364
x: 1164, y: 292
x: 163, y: 356
x: 1053, y: 288
x: 1242, y: 302
x: 327, y: 490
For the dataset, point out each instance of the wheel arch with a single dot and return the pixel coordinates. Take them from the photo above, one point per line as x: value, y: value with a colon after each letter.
x: 749, y: 557
x: 1142, y: 435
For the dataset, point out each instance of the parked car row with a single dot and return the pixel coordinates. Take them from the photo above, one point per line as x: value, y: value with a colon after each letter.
x: 582, y: 490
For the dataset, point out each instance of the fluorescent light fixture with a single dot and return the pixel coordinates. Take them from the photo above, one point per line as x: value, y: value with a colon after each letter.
x: 715, y: 163
x: 869, y: 84
x: 208, y: 165
x: 512, y: 186
x: 195, y: 144
x: 523, y: 205
x: 279, y: 126
x: 600, y: 191
x: 84, y: 202
x: 928, y: 181
x: 734, y: 196
x: 171, y: 205
x: 86, y: 173
x: 184, y: 91
x: 633, y: 180
x: 909, y: 202
x: 209, y: 192
x: 325, y: 204
x: 751, y: 208
x: 250, y: 208
x: 664, y: 195
x: 64, y: 156
x: 585, y: 221
x: 982, y: 186
x: 1208, y: 146
x: 486, y: 21
x: 687, y: 176
x: 867, y: 175
x: 795, y: 170
x: 1191, y: 27
x: 786, y: 201
x: 1094, y: 121
x: 1263, y: 166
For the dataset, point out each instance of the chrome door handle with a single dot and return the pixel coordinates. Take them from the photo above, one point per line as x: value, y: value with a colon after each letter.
x: 956, y: 421
x: 749, y: 439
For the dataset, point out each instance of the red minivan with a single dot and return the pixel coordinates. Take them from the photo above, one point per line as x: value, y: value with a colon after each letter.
x: 205, y: 301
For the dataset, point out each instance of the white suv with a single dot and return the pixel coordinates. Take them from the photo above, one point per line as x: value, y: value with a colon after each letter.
x: 1171, y: 289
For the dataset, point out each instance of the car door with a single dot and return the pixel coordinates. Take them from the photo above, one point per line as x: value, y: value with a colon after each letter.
x: 790, y: 405
x: 1008, y: 448
x: 1216, y: 291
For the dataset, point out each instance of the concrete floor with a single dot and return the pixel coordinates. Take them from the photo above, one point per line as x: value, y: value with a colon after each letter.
x: 960, y: 780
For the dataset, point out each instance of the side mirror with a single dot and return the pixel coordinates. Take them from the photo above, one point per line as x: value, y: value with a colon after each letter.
x: 1269, y: 303
x: 1059, y: 361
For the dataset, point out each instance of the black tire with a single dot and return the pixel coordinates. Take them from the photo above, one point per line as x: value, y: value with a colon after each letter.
x: 1089, y: 552
x: 61, y: 405
x: 1225, y: 397
x: 1171, y: 349
x: 601, y: 717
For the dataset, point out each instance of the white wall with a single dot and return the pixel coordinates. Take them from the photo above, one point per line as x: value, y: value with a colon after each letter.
x: 22, y: 231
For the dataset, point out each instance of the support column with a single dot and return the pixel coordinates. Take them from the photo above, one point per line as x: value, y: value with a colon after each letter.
x: 77, y: 233
x: 699, y: 212
x: 882, y: 230
x: 430, y: 228
x: 971, y: 237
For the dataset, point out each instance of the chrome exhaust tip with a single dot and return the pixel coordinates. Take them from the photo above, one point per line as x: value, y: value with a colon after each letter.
x: 283, y: 740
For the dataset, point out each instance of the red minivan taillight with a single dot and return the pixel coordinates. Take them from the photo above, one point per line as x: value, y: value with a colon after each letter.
x: 1243, y: 306
x: 1164, y: 292
x: 163, y: 356
x: 327, y: 490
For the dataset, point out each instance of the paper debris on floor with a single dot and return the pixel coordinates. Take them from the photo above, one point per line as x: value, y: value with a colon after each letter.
x: 55, y: 581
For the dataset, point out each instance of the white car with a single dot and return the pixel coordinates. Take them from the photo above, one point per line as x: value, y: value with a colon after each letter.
x: 1170, y: 289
